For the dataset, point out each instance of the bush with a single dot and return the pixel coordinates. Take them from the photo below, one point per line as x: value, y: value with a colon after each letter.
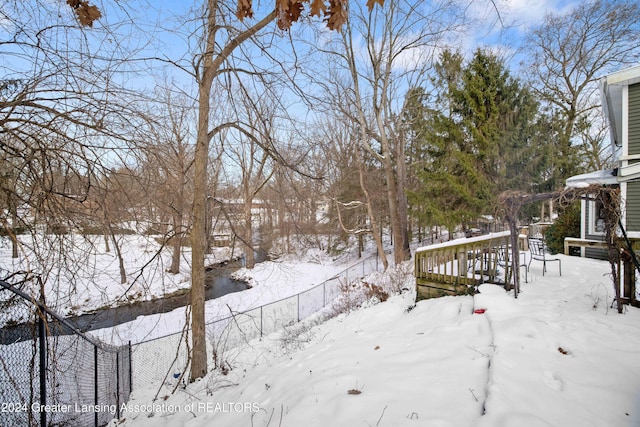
x: 567, y: 225
x: 372, y: 291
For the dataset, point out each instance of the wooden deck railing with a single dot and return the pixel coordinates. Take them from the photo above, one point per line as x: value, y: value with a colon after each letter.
x: 454, y: 267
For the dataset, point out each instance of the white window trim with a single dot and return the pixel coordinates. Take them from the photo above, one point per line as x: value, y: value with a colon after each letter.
x: 592, y: 220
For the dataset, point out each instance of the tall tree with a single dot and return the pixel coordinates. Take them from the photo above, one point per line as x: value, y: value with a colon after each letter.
x: 251, y: 152
x: 167, y: 166
x: 431, y: 119
x: 355, y: 183
x: 380, y: 54
x: 219, y: 42
x: 568, y: 53
x: 478, y: 139
x: 497, y: 113
x: 220, y: 37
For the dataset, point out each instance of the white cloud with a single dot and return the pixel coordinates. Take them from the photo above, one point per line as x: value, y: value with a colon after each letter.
x: 500, y: 24
x: 531, y: 12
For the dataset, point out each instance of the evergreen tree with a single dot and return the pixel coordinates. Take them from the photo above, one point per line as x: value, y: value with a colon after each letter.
x: 481, y: 136
x: 497, y: 115
x: 446, y: 171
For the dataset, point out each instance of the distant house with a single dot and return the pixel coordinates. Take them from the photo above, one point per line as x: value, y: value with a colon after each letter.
x: 620, y: 93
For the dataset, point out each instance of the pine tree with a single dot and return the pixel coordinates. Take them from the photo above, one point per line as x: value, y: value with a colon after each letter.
x: 481, y: 136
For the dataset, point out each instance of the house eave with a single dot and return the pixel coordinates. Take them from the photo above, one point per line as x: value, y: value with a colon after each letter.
x: 611, y: 94
x: 601, y: 177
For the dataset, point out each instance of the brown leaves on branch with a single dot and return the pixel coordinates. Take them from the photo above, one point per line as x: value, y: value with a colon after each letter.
x: 245, y: 9
x: 289, y: 11
x: 337, y: 14
x: 86, y: 13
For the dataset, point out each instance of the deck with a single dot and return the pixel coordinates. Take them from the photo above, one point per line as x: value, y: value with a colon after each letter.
x: 458, y: 266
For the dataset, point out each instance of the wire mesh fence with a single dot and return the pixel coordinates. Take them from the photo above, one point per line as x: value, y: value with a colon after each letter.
x: 167, y: 357
x: 53, y: 375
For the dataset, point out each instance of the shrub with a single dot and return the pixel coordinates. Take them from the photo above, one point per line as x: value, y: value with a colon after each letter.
x: 567, y: 225
x: 372, y: 291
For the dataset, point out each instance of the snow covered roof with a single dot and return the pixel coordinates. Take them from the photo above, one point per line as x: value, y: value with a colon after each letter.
x: 604, y: 177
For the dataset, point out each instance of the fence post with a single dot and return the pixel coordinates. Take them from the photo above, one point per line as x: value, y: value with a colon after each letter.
x: 260, y: 321
x: 298, y: 307
x: 130, y: 370
x: 42, y: 337
x: 324, y: 293
x: 118, y: 383
x: 95, y: 383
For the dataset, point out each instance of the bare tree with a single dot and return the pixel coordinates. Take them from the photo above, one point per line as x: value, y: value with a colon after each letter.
x: 167, y: 163
x: 62, y: 119
x: 569, y: 52
x: 381, y: 54
x: 252, y: 157
x: 593, y: 149
x: 353, y: 185
x: 220, y: 38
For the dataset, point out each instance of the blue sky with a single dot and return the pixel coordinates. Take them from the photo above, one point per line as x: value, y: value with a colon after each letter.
x: 505, y: 32
x: 159, y: 31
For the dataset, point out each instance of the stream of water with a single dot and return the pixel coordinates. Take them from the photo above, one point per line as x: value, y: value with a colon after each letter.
x: 218, y: 283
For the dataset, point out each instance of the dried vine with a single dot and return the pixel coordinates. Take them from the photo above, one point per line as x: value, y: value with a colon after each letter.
x: 510, y: 203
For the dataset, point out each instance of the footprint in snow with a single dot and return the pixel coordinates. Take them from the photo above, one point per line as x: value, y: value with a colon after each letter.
x: 552, y: 381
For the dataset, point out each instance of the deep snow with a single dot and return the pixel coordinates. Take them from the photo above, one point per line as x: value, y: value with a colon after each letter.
x: 556, y: 356
x: 559, y: 355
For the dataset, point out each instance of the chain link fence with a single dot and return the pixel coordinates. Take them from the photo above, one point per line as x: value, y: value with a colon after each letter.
x: 166, y: 357
x: 51, y: 374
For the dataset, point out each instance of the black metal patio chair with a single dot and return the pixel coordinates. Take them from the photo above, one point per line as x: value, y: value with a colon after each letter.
x: 539, y: 253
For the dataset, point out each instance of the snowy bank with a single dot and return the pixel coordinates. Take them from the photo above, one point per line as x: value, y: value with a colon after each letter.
x: 556, y: 356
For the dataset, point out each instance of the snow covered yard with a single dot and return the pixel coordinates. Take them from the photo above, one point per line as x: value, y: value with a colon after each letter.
x: 556, y: 356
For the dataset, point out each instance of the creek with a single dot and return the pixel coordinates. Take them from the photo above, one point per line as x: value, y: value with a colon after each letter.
x: 218, y: 283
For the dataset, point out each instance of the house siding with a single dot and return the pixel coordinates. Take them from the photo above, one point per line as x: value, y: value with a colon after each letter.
x: 634, y: 119
x: 633, y: 135
x: 633, y: 206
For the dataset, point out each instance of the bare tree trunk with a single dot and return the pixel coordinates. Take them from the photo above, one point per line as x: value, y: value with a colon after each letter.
x: 198, y: 243
x: 209, y: 69
x: 176, y: 240
x: 105, y: 234
x: 403, y: 208
x: 376, y: 231
x: 123, y: 272
x: 397, y: 209
x: 248, y: 226
x: 12, y: 234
